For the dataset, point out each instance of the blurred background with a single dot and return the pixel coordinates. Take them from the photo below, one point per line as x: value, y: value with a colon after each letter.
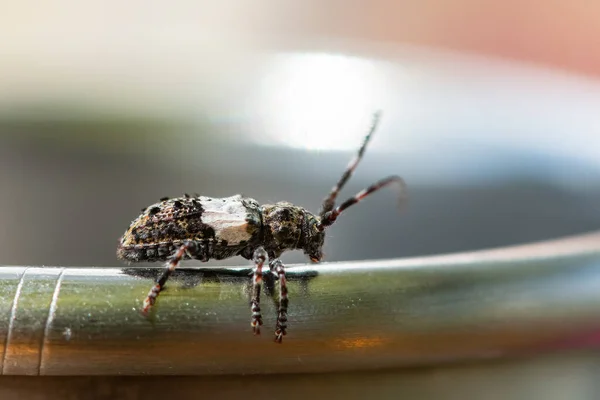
x: 490, y: 113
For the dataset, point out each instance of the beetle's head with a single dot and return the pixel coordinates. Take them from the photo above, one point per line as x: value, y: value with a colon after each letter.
x: 314, y: 238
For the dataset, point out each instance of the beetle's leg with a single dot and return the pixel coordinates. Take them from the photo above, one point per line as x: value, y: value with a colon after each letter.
x: 259, y: 258
x: 187, y: 247
x: 280, y: 329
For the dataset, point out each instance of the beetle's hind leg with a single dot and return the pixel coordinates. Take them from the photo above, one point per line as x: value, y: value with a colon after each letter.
x: 278, y: 268
x: 259, y: 258
x: 188, y: 247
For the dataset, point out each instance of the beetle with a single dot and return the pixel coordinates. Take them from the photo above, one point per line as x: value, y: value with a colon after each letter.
x: 205, y: 228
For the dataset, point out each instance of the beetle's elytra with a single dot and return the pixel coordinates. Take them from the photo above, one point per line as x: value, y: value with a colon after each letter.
x: 205, y: 228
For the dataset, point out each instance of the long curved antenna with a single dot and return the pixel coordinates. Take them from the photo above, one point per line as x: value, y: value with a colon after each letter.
x: 330, y: 217
x: 329, y: 201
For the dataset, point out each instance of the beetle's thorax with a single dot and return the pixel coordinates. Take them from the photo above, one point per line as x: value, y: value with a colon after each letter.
x: 289, y: 227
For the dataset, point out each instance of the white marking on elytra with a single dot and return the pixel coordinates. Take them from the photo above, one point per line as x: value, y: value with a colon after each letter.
x: 228, y: 217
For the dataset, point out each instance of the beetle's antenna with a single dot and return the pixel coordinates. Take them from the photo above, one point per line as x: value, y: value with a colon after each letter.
x: 330, y: 217
x: 329, y: 201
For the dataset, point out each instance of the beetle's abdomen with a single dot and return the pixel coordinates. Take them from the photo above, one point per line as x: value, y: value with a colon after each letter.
x: 220, y: 223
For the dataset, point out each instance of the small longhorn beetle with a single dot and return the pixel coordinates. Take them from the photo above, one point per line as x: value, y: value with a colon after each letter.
x: 204, y: 228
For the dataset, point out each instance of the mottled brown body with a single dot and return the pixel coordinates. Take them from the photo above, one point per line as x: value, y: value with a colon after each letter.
x: 163, y: 227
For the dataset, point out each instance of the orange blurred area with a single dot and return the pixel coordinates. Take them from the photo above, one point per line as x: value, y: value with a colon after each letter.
x: 556, y: 33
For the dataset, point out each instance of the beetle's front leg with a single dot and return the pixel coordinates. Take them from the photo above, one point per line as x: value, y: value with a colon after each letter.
x: 259, y: 258
x: 278, y: 268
